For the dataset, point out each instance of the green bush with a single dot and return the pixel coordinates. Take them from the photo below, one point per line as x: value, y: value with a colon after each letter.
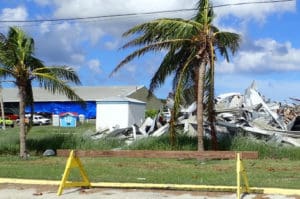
x: 151, y: 113
x: 41, y: 138
x: 265, y: 149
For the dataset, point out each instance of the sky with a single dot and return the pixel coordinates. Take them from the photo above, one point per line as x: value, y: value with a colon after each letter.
x: 269, y: 53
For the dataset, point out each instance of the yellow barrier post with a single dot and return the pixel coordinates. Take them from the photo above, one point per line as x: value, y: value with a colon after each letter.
x: 240, y: 169
x: 73, y: 162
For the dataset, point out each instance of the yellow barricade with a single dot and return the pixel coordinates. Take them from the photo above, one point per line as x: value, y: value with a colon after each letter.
x: 240, y: 188
x: 240, y: 170
x: 73, y: 162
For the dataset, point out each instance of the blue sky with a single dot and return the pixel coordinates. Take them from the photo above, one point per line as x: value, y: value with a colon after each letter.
x: 269, y: 52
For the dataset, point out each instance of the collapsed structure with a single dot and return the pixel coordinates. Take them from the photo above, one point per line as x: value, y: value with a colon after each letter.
x: 246, y: 114
x: 252, y: 114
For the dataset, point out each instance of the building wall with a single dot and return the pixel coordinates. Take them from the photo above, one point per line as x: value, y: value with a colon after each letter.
x: 89, y: 110
x: 109, y: 114
x: 56, y: 107
x: 136, y: 114
x: 120, y: 114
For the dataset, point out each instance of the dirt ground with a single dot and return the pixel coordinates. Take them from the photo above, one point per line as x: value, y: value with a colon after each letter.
x: 13, y: 191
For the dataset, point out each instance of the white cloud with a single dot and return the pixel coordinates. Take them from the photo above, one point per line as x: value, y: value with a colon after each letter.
x: 43, y: 2
x: 71, y: 8
x: 113, y: 44
x: 69, y: 36
x: 130, y: 68
x: 96, y: 28
x: 93, y: 33
x: 94, y: 66
x: 78, y: 58
x: 256, y: 11
x: 18, y: 13
x: 44, y: 27
x: 269, y: 86
x: 265, y: 55
x: 60, y: 43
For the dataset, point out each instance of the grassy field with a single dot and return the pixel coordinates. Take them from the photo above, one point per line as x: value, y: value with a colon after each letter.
x: 278, y: 166
x: 262, y: 173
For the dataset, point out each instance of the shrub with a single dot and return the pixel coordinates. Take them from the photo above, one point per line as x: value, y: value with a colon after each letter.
x: 151, y: 113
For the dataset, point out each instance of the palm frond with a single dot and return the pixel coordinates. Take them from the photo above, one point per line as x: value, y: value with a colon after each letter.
x: 2, y: 38
x: 180, y: 82
x: 55, y: 85
x: 63, y: 73
x: 56, y: 79
x: 163, y: 29
x: 205, y: 14
x: 171, y: 62
x: 33, y: 63
x: 177, y: 99
x: 225, y: 41
x: 152, y: 47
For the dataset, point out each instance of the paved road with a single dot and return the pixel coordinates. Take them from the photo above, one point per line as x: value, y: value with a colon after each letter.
x: 49, y: 192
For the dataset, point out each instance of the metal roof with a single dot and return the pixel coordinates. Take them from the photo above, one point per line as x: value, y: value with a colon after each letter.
x: 87, y: 93
x: 120, y: 99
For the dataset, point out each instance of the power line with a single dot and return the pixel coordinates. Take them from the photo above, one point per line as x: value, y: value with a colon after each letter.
x: 136, y: 14
x: 253, y: 2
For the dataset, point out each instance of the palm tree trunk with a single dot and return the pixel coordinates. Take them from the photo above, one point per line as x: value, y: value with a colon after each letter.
x: 200, y: 94
x: 211, y: 103
x: 2, y: 109
x: 22, y: 135
x: 172, y: 129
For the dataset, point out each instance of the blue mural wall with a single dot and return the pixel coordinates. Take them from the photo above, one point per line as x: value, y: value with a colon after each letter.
x: 89, y: 111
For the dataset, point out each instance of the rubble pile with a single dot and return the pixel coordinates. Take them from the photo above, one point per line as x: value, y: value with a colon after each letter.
x: 252, y: 114
x: 236, y: 113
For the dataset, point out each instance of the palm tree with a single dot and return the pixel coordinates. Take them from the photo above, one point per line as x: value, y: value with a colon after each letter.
x: 190, y: 46
x: 17, y: 62
x: 2, y: 108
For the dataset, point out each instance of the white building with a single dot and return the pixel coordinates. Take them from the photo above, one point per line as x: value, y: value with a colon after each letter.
x: 120, y: 112
x: 47, y: 102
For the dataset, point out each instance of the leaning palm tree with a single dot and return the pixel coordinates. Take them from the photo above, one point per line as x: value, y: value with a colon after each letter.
x: 190, y: 46
x: 17, y: 62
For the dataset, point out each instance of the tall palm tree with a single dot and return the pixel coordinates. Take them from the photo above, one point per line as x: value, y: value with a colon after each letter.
x: 17, y: 62
x: 190, y: 46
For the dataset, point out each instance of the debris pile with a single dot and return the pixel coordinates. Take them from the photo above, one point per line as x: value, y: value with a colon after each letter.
x: 252, y: 114
x: 247, y: 114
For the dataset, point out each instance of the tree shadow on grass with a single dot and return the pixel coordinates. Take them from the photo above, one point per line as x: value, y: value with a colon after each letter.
x: 39, y: 145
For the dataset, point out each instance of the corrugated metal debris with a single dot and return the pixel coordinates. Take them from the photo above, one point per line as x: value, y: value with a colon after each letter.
x: 252, y: 114
x: 247, y: 114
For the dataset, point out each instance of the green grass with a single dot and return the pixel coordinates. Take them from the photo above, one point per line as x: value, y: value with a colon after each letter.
x: 261, y: 173
x: 41, y: 138
x: 264, y: 149
x: 278, y: 166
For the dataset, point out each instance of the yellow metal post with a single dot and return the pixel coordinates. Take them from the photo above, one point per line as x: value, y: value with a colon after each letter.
x: 245, y: 177
x: 73, y: 162
x: 240, y: 169
x: 238, y: 177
